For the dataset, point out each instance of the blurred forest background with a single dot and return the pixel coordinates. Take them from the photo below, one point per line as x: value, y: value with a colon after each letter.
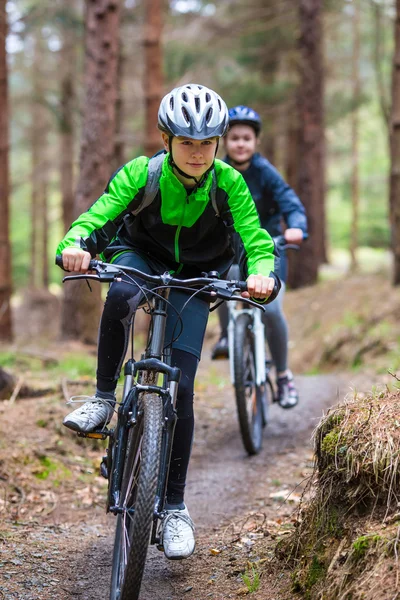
x: 80, y: 94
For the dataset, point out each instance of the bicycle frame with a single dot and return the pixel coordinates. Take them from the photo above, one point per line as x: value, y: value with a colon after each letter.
x: 149, y: 368
x: 257, y: 327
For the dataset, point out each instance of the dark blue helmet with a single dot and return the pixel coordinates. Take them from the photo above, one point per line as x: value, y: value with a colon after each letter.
x: 243, y: 115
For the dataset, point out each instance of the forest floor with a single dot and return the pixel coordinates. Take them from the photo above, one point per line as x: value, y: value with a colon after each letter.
x: 55, y: 539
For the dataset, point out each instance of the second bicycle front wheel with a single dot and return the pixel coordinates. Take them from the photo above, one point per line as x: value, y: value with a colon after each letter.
x: 138, y: 491
x: 248, y: 396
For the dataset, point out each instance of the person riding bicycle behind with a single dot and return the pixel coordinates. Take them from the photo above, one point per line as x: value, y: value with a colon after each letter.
x: 180, y: 232
x: 275, y: 200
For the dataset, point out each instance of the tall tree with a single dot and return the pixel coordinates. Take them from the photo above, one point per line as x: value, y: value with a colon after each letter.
x: 395, y: 151
x: 119, y: 145
x: 68, y: 73
x: 311, y: 173
x: 153, y: 75
x: 355, y: 185
x: 5, y: 251
x: 39, y: 271
x: 81, y: 309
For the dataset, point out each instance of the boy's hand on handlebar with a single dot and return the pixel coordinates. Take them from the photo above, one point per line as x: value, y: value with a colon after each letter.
x: 259, y: 286
x: 76, y: 260
x: 294, y: 235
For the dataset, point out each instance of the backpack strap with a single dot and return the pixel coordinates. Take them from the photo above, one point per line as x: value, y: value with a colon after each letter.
x: 153, y: 184
x: 153, y: 181
x: 213, y: 193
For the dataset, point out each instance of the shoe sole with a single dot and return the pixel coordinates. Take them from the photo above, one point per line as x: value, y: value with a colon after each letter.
x: 179, y: 557
x: 288, y: 406
x: 74, y: 427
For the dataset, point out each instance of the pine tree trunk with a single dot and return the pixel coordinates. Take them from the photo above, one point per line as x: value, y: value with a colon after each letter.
x: 39, y: 267
x: 82, y: 309
x: 35, y: 181
x: 153, y: 82
x: 355, y: 187
x: 395, y: 151
x: 5, y: 250
x: 119, y: 146
x: 311, y: 172
x: 292, y: 147
x: 67, y: 128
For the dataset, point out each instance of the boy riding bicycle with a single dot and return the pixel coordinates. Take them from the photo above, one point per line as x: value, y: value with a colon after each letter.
x: 275, y: 201
x: 177, y: 231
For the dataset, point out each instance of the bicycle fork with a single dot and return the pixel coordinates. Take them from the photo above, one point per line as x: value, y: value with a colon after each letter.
x: 257, y: 329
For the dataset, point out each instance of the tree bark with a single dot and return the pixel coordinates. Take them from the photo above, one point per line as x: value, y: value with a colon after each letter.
x: 355, y: 186
x: 81, y: 309
x: 6, y: 333
x: 311, y: 174
x: 394, y: 197
x: 377, y: 59
x: 67, y: 103
x: 153, y: 82
x: 119, y: 146
x: 39, y: 267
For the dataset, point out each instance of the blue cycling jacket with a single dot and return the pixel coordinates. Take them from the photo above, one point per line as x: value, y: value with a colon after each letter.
x: 275, y: 200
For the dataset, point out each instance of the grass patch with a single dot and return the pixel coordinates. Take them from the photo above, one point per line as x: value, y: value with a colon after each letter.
x: 251, y: 579
x: 49, y: 466
x: 75, y: 366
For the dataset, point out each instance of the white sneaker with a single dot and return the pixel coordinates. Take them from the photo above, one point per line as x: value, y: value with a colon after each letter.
x: 177, y: 534
x: 94, y: 413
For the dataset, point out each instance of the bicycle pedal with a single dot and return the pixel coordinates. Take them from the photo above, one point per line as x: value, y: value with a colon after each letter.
x: 95, y: 435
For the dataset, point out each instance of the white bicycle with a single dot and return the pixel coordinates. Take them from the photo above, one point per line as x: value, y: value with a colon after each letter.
x: 250, y: 368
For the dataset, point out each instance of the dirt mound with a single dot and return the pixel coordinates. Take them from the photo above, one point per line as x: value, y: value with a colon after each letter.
x: 351, y: 323
x: 347, y: 538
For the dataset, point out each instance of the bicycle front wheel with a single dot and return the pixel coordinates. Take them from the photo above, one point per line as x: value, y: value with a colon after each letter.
x: 248, y: 396
x: 138, y: 492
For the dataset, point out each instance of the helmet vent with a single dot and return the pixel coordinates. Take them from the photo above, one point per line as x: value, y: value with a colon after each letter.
x: 184, y: 97
x: 209, y: 115
x: 219, y: 104
x: 197, y: 103
x: 171, y: 102
x: 208, y: 97
x: 186, y: 114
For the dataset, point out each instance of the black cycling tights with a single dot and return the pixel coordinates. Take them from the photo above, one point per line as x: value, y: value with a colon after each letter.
x: 121, y: 304
x: 109, y: 357
x: 184, y: 428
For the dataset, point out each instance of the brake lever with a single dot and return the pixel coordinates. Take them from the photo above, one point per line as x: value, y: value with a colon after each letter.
x: 252, y: 303
x: 230, y: 294
x: 75, y: 277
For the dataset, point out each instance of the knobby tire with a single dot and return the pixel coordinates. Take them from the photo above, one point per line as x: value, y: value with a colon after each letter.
x: 138, y: 491
x: 248, y: 398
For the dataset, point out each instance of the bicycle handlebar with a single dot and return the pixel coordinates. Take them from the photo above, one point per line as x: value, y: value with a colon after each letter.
x: 214, y: 288
x: 281, y: 243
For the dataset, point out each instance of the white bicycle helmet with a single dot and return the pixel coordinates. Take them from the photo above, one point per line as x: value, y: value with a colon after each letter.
x: 193, y: 111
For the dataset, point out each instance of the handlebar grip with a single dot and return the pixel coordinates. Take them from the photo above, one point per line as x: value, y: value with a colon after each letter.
x: 59, y: 262
x: 242, y: 286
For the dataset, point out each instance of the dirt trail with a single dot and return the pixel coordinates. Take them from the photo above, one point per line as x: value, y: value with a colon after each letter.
x: 225, y: 483
x: 68, y: 554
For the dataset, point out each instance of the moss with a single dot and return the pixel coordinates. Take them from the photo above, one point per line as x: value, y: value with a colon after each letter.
x: 48, y: 466
x: 330, y: 443
x: 362, y: 544
x: 316, y: 572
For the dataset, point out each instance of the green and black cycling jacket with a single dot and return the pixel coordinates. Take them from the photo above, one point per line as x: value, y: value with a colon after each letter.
x: 179, y: 228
